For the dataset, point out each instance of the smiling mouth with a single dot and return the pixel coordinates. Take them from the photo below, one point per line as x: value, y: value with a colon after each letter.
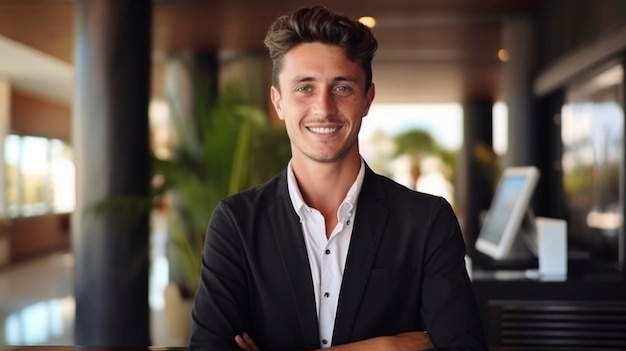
x: 325, y: 130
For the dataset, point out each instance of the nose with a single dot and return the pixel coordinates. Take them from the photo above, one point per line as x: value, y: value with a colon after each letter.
x: 325, y: 103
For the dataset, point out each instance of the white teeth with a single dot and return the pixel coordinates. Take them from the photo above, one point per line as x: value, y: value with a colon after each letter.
x: 323, y: 130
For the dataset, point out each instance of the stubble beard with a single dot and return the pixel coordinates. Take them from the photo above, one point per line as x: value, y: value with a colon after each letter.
x: 323, y: 157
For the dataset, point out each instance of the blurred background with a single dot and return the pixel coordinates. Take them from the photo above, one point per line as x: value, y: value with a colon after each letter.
x: 123, y: 123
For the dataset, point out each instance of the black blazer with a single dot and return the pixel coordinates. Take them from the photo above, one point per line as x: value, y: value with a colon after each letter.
x: 405, y: 271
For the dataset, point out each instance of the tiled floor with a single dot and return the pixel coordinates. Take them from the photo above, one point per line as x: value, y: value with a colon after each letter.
x: 37, y: 302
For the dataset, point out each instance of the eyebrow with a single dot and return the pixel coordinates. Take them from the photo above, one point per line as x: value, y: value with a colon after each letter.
x: 300, y: 79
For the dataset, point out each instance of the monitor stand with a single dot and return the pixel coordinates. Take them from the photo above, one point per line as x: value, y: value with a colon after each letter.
x: 523, y: 253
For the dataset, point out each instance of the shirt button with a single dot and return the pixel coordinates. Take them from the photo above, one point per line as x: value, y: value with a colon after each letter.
x: 324, y: 341
x: 326, y: 294
x: 327, y: 252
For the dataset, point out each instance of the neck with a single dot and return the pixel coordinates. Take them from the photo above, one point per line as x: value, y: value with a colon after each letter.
x: 324, y: 185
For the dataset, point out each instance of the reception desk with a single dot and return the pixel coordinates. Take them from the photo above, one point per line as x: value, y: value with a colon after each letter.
x: 584, y: 310
x: 154, y: 348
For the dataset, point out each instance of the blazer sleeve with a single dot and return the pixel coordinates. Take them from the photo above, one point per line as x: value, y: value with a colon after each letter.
x: 448, y: 302
x: 220, y: 302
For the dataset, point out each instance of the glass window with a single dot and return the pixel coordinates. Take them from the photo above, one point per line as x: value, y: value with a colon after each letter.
x: 414, y: 144
x: 40, y: 176
x: 34, y: 175
x: 12, y: 152
x: 62, y: 193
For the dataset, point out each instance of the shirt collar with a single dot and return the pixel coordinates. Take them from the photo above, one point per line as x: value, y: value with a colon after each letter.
x: 348, y: 204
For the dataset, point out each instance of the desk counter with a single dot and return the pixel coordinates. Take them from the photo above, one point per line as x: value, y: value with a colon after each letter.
x: 156, y: 348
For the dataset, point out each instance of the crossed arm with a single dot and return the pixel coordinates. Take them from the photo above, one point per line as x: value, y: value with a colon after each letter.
x: 446, y: 292
x: 410, y: 341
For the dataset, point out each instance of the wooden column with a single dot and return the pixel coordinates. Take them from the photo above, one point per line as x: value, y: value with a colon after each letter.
x: 111, y: 139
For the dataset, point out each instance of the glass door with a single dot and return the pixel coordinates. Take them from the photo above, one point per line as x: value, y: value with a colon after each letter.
x: 593, y: 163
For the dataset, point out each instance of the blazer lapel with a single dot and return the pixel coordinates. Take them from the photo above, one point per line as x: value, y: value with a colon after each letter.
x: 369, y: 225
x: 289, y: 239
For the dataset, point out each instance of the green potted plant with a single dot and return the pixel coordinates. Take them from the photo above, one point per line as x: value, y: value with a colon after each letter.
x: 228, y: 145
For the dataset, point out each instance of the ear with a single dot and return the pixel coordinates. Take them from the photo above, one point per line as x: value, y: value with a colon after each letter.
x: 277, y: 102
x: 369, y: 97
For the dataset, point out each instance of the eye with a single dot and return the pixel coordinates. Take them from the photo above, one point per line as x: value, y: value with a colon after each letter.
x: 343, y: 89
x: 303, y: 89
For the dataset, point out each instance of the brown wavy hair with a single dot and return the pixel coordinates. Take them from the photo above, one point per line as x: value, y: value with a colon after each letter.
x: 318, y: 24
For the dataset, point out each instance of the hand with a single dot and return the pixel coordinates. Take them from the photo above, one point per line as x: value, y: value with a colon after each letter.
x: 418, y: 340
x: 409, y: 341
x: 245, y: 342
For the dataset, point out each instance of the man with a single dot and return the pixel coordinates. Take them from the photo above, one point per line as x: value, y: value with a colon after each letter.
x: 328, y: 253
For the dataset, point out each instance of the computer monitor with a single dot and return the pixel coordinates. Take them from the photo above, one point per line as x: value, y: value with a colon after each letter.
x: 508, y: 211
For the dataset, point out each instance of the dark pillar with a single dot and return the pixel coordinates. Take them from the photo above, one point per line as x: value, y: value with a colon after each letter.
x: 478, y: 168
x: 110, y: 135
x: 548, y: 199
x: 534, y: 124
x: 518, y: 34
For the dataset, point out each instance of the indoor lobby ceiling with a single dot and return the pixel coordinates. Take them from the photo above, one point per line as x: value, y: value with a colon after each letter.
x: 429, y: 50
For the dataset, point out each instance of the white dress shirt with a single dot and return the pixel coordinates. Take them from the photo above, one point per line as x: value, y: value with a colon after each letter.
x: 327, y: 257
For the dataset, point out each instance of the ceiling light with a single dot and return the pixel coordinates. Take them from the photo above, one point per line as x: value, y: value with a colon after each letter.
x: 368, y: 21
x: 503, y: 55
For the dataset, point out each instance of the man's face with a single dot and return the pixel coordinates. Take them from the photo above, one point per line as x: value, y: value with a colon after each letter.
x: 322, y: 100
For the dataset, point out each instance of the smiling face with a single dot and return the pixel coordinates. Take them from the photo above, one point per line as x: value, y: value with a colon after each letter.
x: 322, y: 99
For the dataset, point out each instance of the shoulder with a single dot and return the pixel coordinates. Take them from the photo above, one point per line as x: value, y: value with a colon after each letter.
x: 394, y: 193
x: 262, y: 196
x: 405, y: 204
